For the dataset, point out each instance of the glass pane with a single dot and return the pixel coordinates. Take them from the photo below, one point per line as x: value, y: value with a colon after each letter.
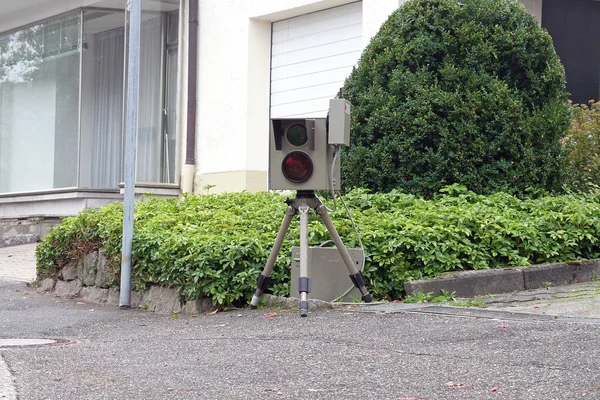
x: 171, y: 111
x: 39, y: 106
x: 102, y: 99
x: 173, y: 28
x: 150, y: 141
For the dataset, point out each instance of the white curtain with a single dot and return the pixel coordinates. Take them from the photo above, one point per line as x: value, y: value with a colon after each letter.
x: 108, y: 109
x: 108, y: 106
x: 150, y: 112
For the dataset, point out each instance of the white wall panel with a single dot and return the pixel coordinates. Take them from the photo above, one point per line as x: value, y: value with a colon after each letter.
x: 312, y: 55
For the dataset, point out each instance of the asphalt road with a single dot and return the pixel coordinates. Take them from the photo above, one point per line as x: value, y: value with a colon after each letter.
x: 110, y: 353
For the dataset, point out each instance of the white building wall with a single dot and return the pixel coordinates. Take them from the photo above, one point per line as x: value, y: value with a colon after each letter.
x: 234, y: 81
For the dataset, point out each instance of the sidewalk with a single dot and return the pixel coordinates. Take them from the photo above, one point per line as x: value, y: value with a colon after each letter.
x: 579, y: 300
x: 17, y: 263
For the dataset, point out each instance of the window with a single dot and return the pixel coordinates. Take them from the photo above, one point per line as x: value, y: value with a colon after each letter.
x: 62, y: 98
x: 39, y: 106
x: 103, y: 61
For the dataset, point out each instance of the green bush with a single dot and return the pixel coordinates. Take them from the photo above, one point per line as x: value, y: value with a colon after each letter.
x: 471, y: 94
x: 582, y: 144
x: 216, y: 245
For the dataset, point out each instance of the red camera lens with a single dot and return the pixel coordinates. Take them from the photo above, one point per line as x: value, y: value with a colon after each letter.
x: 297, y: 167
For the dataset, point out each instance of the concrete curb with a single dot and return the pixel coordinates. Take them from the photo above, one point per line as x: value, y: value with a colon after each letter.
x: 505, y: 280
x: 18, y: 240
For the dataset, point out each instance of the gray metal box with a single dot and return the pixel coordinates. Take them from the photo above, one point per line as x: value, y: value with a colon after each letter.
x: 329, y: 276
x: 339, y: 122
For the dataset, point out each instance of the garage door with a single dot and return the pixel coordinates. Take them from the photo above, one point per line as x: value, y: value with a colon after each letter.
x: 311, y: 57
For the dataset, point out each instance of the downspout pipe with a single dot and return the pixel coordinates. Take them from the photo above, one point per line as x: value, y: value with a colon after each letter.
x: 189, y: 169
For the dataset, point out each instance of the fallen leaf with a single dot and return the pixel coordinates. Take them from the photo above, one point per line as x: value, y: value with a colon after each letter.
x: 502, y: 326
x: 80, y: 303
x: 271, y: 314
x: 271, y: 389
x: 494, y: 389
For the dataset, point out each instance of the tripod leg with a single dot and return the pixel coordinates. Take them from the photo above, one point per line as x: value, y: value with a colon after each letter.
x: 303, y: 279
x: 356, y: 276
x: 262, y: 282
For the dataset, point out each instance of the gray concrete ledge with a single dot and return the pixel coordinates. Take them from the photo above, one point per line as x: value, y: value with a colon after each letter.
x: 506, y: 280
x: 18, y: 240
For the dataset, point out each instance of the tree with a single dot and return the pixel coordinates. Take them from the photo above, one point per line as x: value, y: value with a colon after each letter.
x: 448, y: 92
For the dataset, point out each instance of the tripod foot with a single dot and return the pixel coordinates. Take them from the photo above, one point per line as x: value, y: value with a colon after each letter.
x: 367, y: 298
x: 304, y: 308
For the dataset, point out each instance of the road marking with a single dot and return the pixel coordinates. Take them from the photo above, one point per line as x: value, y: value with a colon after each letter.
x: 25, y: 342
x: 7, y: 387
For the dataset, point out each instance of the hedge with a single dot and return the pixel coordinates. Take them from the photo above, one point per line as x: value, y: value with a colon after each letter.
x: 216, y: 245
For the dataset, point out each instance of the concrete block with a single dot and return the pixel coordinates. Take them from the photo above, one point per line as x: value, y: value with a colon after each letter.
x: 470, y: 283
x: 199, y: 306
x: 68, y: 273
x: 46, y: 285
x: 589, y: 270
x: 18, y: 240
x: 162, y: 300
x: 94, y: 294
x: 540, y: 276
x: 102, y: 272
x: 86, y: 269
x: 114, y: 298
x: 68, y: 289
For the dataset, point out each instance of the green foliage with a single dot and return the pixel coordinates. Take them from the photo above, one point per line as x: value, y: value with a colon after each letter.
x: 478, y: 302
x: 216, y: 245
x: 582, y: 143
x: 444, y: 94
x: 420, y: 297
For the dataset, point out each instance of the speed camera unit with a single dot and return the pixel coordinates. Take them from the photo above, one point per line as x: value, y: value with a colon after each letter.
x: 302, y: 154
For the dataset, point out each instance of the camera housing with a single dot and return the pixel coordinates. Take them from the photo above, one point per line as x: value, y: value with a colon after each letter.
x: 300, y: 157
x: 304, y: 152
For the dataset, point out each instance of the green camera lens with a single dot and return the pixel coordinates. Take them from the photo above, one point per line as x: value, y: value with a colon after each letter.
x: 296, y: 135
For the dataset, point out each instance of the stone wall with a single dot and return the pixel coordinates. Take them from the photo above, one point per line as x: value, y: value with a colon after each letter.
x: 89, y: 280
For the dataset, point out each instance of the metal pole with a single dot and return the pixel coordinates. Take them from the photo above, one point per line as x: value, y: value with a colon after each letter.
x: 134, y: 12
x: 303, y: 279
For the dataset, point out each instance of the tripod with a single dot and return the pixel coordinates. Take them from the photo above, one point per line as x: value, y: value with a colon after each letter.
x: 302, y: 203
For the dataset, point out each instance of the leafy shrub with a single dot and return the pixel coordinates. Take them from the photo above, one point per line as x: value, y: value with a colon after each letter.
x: 582, y: 143
x: 216, y: 245
x: 471, y: 94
